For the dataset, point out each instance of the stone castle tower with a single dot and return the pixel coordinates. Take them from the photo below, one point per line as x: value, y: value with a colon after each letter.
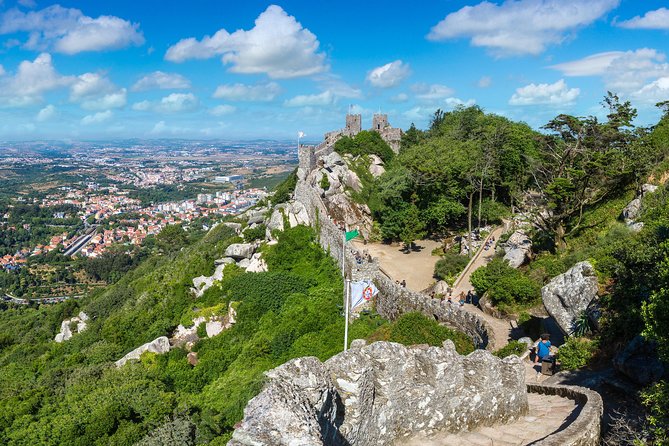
x: 379, y: 122
x: 353, y: 124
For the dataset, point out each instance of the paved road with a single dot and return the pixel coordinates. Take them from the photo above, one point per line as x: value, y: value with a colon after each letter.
x: 548, y: 414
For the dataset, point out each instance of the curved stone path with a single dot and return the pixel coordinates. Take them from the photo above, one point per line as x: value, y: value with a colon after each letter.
x: 547, y: 414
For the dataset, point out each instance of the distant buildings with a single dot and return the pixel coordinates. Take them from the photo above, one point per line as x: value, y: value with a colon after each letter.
x: 228, y: 178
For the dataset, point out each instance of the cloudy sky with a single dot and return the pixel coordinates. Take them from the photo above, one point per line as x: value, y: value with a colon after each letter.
x: 251, y: 69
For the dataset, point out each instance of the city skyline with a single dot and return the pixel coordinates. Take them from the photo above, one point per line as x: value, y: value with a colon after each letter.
x: 82, y: 70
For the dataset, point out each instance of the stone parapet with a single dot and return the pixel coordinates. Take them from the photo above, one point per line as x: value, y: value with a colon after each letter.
x: 585, y: 429
x: 382, y: 394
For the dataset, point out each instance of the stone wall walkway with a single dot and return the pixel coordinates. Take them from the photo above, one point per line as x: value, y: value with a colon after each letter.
x: 547, y: 414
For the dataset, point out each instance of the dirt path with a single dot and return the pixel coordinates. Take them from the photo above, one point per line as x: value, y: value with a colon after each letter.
x: 416, y: 267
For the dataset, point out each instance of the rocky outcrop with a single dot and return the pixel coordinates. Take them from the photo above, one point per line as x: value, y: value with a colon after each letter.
x: 517, y: 249
x: 240, y: 251
x: 237, y: 227
x: 632, y: 211
x: 569, y: 294
x: 203, y: 283
x: 639, y: 362
x: 293, y: 211
x: 380, y: 394
x: 160, y: 345
x: 72, y: 326
x: 256, y: 264
x: 376, y: 166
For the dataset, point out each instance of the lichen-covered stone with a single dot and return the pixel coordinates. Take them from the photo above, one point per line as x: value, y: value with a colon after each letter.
x: 240, y: 251
x: 160, y: 345
x: 381, y: 393
x: 568, y: 294
x: 517, y: 249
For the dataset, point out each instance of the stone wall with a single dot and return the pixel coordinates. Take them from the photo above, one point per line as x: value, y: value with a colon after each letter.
x: 380, y: 394
x: 393, y: 300
x: 585, y: 430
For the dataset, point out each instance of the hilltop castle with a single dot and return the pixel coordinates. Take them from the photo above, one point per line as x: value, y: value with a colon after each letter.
x: 390, y: 135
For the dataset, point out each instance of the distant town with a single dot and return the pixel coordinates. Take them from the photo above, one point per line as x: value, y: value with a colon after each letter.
x: 82, y: 200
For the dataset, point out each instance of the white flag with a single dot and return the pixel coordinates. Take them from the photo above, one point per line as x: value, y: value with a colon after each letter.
x: 301, y: 134
x: 362, y: 292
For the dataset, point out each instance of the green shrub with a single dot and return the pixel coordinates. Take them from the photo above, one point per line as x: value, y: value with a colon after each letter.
x: 576, y: 353
x: 512, y: 348
x: 284, y: 191
x: 449, y: 266
x: 325, y: 182
x: 492, y: 212
x: 365, y: 143
x: 255, y: 233
x: 416, y: 328
x: 656, y: 400
x: 505, y: 286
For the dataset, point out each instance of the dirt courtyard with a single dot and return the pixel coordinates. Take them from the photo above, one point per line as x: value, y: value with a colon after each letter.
x: 416, y: 267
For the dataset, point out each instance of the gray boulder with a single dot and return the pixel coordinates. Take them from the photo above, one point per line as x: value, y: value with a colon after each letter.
x: 381, y: 394
x: 297, y: 214
x: 517, y: 249
x: 240, y: 250
x: 333, y: 159
x: 633, y: 210
x: 237, y: 227
x: 568, y: 294
x: 160, y: 345
x: 639, y: 362
x: 66, y: 333
x: 353, y: 181
x: 224, y: 261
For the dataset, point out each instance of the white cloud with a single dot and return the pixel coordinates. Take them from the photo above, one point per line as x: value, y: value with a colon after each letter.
x: 117, y: 99
x: 251, y: 93
x: 588, y: 66
x: 431, y: 93
x: 160, y: 127
x: 46, y: 113
x: 173, y: 103
x: 624, y: 72
x: 31, y: 80
x: 657, y: 19
x: 90, y: 84
x: 457, y: 102
x: 653, y: 92
x: 97, y: 118
x: 545, y: 94
x: 400, y: 97
x: 28, y: 3
x: 277, y: 45
x: 484, y: 82
x: 161, y: 81
x: 388, y: 75
x: 325, y: 98
x: 69, y: 31
x: 338, y: 87
x: 221, y: 110
x: 142, y: 106
x: 518, y: 27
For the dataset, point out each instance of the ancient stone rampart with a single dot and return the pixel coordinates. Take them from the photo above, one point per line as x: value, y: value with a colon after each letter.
x: 382, y: 394
x: 393, y: 299
x: 585, y: 429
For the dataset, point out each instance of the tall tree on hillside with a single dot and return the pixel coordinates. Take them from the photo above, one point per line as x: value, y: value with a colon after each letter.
x: 581, y: 162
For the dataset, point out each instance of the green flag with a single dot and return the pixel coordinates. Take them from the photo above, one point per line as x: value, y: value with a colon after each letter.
x: 350, y: 235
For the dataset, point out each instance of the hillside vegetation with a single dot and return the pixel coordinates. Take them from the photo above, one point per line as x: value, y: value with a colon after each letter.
x: 71, y: 394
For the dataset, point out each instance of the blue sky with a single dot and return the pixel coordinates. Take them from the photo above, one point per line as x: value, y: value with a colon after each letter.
x: 239, y: 70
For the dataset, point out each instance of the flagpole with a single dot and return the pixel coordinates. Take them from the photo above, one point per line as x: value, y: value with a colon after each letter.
x: 348, y: 298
